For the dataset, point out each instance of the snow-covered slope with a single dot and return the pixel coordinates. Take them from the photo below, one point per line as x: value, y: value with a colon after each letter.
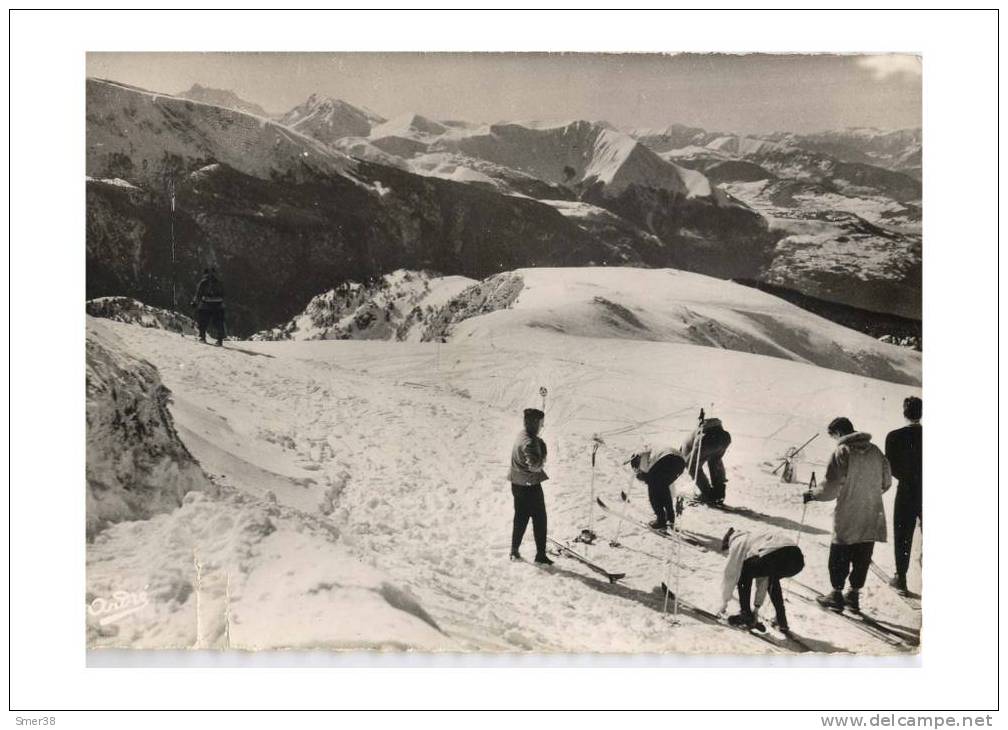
x: 177, y: 559
x: 396, y: 307
x: 403, y: 448
x: 665, y: 305
x: 143, y: 136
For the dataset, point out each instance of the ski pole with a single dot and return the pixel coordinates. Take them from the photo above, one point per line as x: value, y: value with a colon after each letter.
x: 801, y: 527
x: 794, y: 453
x: 675, y: 596
x: 619, y: 527
x: 596, y: 442
x: 699, y: 447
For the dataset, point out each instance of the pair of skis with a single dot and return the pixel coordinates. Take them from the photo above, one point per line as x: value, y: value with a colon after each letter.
x: 566, y: 551
x: 913, y: 603
x: 790, y: 641
x: 895, y: 636
x: 680, y: 536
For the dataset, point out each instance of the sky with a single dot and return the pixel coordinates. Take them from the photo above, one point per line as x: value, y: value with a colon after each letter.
x: 748, y: 94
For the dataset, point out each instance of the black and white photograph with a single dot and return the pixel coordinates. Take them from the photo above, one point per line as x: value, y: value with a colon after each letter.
x: 314, y: 333
x: 511, y: 356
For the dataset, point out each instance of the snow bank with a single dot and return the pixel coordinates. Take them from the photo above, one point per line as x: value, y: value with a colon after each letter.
x: 136, y: 464
x: 131, y: 311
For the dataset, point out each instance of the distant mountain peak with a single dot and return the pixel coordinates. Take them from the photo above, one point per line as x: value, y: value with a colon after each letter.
x: 222, y: 97
x: 328, y: 118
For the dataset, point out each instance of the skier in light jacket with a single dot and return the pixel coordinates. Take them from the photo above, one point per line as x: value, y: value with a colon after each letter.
x: 659, y: 471
x: 763, y: 557
x: 857, y: 476
x: 528, y: 457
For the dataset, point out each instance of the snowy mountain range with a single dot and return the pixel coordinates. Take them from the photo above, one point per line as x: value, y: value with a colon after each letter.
x: 332, y: 193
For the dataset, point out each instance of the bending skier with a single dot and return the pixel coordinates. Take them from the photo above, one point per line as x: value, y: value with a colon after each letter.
x: 707, y: 445
x: 209, y: 304
x: 528, y: 457
x: 856, y: 477
x: 763, y: 557
x: 659, y: 472
x: 903, y: 449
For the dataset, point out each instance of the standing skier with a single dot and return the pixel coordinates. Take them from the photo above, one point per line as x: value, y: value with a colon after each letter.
x: 707, y: 445
x: 527, y: 475
x: 903, y: 449
x: 659, y: 471
x: 209, y: 304
x: 765, y: 557
x: 856, y: 477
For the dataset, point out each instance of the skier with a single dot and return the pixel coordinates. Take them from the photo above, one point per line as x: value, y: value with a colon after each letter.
x: 707, y: 445
x: 903, y: 449
x: 209, y: 304
x: 856, y: 477
x: 765, y: 557
x: 527, y: 475
x: 659, y: 471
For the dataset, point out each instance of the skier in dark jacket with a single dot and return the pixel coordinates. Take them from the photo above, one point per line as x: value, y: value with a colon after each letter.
x: 528, y: 456
x: 209, y: 304
x: 707, y: 445
x: 903, y: 449
x: 659, y: 471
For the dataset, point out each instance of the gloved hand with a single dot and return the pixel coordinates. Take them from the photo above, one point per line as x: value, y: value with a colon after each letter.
x: 807, y: 497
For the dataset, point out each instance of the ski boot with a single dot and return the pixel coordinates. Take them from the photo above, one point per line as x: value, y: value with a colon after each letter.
x: 852, y: 600
x: 746, y: 621
x: 660, y: 525
x: 833, y: 600
x: 780, y: 623
x: 543, y: 559
x: 899, y: 583
x: 516, y: 557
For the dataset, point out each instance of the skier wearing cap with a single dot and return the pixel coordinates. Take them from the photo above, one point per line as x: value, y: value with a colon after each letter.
x: 528, y: 456
x: 659, y: 471
x: 707, y: 445
x: 903, y: 449
x: 763, y: 557
x: 856, y: 477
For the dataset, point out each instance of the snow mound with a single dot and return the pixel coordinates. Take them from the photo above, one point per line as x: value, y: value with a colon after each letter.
x: 242, y: 573
x: 396, y: 307
x: 130, y: 311
x: 664, y: 305
x: 136, y: 464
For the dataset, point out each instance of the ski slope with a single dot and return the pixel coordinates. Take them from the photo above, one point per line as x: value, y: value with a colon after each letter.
x: 403, y: 448
x: 666, y: 305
